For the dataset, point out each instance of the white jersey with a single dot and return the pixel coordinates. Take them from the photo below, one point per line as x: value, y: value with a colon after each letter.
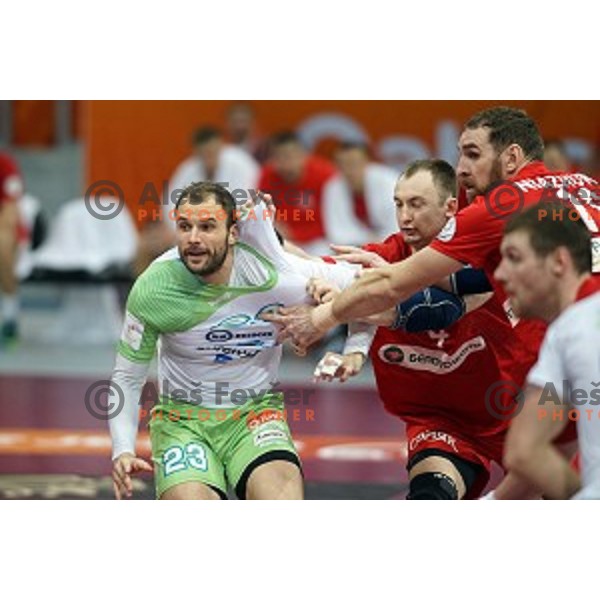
x: 342, y: 226
x: 214, y: 350
x: 569, y: 359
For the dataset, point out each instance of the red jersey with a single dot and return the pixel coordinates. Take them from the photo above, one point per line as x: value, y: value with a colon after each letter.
x: 589, y: 287
x: 474, y: 235
x: 11, y: 188
x: 440, y: 379
x: 299, y: 203
x: 11, y: 182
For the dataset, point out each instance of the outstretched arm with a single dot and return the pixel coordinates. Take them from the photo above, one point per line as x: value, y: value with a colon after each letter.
x: 382, y: 288
x: 375, y: 291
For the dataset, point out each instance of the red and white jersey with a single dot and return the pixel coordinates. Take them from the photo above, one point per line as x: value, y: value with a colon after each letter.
x: 474, y: 236
x: 444, y: 376
x: 11, y: 182
x: 11, y: 189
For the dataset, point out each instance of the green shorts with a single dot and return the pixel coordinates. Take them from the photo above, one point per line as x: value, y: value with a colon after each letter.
x: 217, y: 446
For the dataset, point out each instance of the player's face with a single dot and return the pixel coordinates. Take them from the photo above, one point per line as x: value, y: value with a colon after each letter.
x: 352, y: 165
x: 203, y: 239
x: 526, y: 277
x: 240, y: 123
x: 478, y: 163
x: 419, y: 212
x: 209, y: 154
x: 288, y: 161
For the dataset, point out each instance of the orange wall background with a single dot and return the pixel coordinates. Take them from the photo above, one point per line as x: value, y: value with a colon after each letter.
x: 135, y: 142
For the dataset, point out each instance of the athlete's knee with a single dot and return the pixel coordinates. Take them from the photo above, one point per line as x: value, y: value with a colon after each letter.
x: 193, y: 490
x: 432, y: 486
x: 278, y: 479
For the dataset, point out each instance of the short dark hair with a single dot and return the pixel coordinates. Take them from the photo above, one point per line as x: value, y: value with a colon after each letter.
x: 510, y: 126
x: 552, y: 225
x: 442, y: 173
x: 348, y: 145
x: 284, y: 137
x: 205, y: 134
x: 198, y: 193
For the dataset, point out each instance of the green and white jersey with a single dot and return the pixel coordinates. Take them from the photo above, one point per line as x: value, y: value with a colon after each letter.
x: 213, y: 347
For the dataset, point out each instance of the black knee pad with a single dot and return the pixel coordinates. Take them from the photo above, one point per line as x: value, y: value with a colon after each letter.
x: 469, y: 471
x: 432, y: 486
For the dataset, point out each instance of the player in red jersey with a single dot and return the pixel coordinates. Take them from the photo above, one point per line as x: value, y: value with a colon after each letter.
x: 436, y: 381
x: 296, y: 180
x: 500, y: 166
x: 11, y: 233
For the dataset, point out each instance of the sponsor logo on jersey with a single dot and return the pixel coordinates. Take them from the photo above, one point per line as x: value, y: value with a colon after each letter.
x: 448, y: 231
x: 234, y: 321
x: 428, y: 359
x: 392, y: 354
x: 433, y: 436
x: 596, y: 255
x: 227, y: 353
x: 219, y: 335
x: 267, y: 416
x: 509, y: 311
x: 268, y: 309
x: 556, y: 181
x: 238, y: 336
x: 269, y: 436
x: 133, y: 332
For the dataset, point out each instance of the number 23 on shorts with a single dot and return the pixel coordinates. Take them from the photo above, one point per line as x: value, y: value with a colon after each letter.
x: 177, y: 458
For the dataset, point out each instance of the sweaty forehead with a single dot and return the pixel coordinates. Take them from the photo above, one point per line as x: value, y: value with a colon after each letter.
x: 479, y: 138
x: 419, y: 185
x: 201, y: 212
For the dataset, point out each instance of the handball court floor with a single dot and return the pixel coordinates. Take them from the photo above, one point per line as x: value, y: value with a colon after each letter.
x: 51, y: 446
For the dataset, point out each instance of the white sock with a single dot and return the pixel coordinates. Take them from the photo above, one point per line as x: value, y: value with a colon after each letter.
x: 10, y: 307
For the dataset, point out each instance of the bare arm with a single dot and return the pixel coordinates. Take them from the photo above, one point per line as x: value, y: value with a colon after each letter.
x: 9, y: 217
x: 382, y: 288
x: 377, y: 290
x: 530, y: 453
